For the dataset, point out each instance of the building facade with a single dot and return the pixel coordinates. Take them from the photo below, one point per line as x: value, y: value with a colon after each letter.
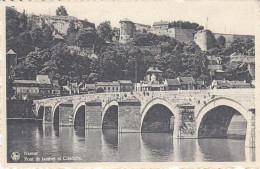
x: 226, y: 84
x: 33, y: 89
x: 107, y: 87
x: 181, y: 83
x: 126, y: 85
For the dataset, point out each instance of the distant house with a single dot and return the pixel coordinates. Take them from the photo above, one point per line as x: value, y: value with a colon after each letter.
x: 33, y: 89
x: 226, y: 84
x: 172, y: 84
x: 55, y: 88
x: 70, y: 89
x: 91, y: 88
x: 180, y: 83
x: 161, y: 25
x: 152, y: 81
x: 126, y: 85
x: 108, y: 86
x: 153, y: 74
x: 200, y: 85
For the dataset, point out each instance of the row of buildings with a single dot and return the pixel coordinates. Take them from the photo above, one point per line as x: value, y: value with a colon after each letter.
x: 43, y: 87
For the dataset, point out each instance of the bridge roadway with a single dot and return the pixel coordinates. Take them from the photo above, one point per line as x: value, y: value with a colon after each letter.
x: 186, y: 113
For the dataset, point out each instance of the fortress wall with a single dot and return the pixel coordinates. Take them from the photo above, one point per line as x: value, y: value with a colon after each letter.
x: 141, y: 27
x: 184, y: 35
x: 61, y: 25
x: 231, y: 37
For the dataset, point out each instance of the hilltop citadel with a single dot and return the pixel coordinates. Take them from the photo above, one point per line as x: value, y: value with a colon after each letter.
x: 204, y: 38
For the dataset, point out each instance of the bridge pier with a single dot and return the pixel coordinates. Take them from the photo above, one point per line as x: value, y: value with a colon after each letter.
x: 47, y: 115
x: 184, y: 123
x: 129, y: 117
x: 177, y: 123
x: 93, y: 115
x: 250, y: 130
x: 66, y: 114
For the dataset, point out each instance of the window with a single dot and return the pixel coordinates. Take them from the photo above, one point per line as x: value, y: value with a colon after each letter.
x: 108, y: 88
x: 105, y: 88
x: 113, y: 88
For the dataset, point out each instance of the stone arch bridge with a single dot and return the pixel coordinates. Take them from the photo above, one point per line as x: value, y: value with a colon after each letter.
x: 187, y: 114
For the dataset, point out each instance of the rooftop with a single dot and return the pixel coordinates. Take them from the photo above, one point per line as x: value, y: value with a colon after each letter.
x: 57, y: 36
x: 11, y: 52
x: 213, y: 58
x: 242, y: 58
x: 173, y: 82
x: 90, y: 86
x: 160, y: 23
x: 186, y: 80
x: 125, y: 20
x: 26, y: 81
x: 59, y: 17
x: 43, y: 79
x: 154, y: 70
x: 107, y: 83
x: 235, y: 84
x: 125, y: 81
x: 40, y: 79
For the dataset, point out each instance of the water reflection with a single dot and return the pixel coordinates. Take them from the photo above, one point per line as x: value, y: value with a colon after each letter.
x: 110, y: 145
x: 156, y: 145
x: 95, y: 145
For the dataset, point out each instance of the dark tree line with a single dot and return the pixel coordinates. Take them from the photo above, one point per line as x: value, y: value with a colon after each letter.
x: 40, y: 54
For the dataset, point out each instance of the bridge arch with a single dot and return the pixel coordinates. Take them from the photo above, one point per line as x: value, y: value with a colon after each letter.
x: 82, y: 103
x: 107, y: 106
x: 55, y: 114
x: 220, y: 102
x: 109, y: 112
x: 41, y: 104
x: 79, y: 113
x: 41, y: 112
x: 152, y: 103
x: 54, y: 108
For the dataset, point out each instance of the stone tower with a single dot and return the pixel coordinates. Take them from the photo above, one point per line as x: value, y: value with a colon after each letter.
x: 126, y: 30
x: 205, y: 40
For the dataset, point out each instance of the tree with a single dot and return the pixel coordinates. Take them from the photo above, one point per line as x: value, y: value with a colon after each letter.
x: 47, y: 34
x: 105, y: 31
x: 12, y: 22
x: 221, y: 41
x: 86, y: 37
x: 93, y: 77
x: 61, y: 11
x: 23, y: 21
x: 9, y: 88
x: 185, y: 25
x: 37, y: 37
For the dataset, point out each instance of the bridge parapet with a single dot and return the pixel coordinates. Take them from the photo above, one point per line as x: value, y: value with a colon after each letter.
x: 194, y: 97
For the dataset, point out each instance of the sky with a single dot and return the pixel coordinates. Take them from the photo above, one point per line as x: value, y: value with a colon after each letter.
x: 236, y: 17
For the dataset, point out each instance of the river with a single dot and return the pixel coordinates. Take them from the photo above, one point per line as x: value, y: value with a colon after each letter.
x: 69, y: 144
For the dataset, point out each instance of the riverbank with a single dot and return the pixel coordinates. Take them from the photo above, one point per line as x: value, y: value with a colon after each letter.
x: 20, y: 109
